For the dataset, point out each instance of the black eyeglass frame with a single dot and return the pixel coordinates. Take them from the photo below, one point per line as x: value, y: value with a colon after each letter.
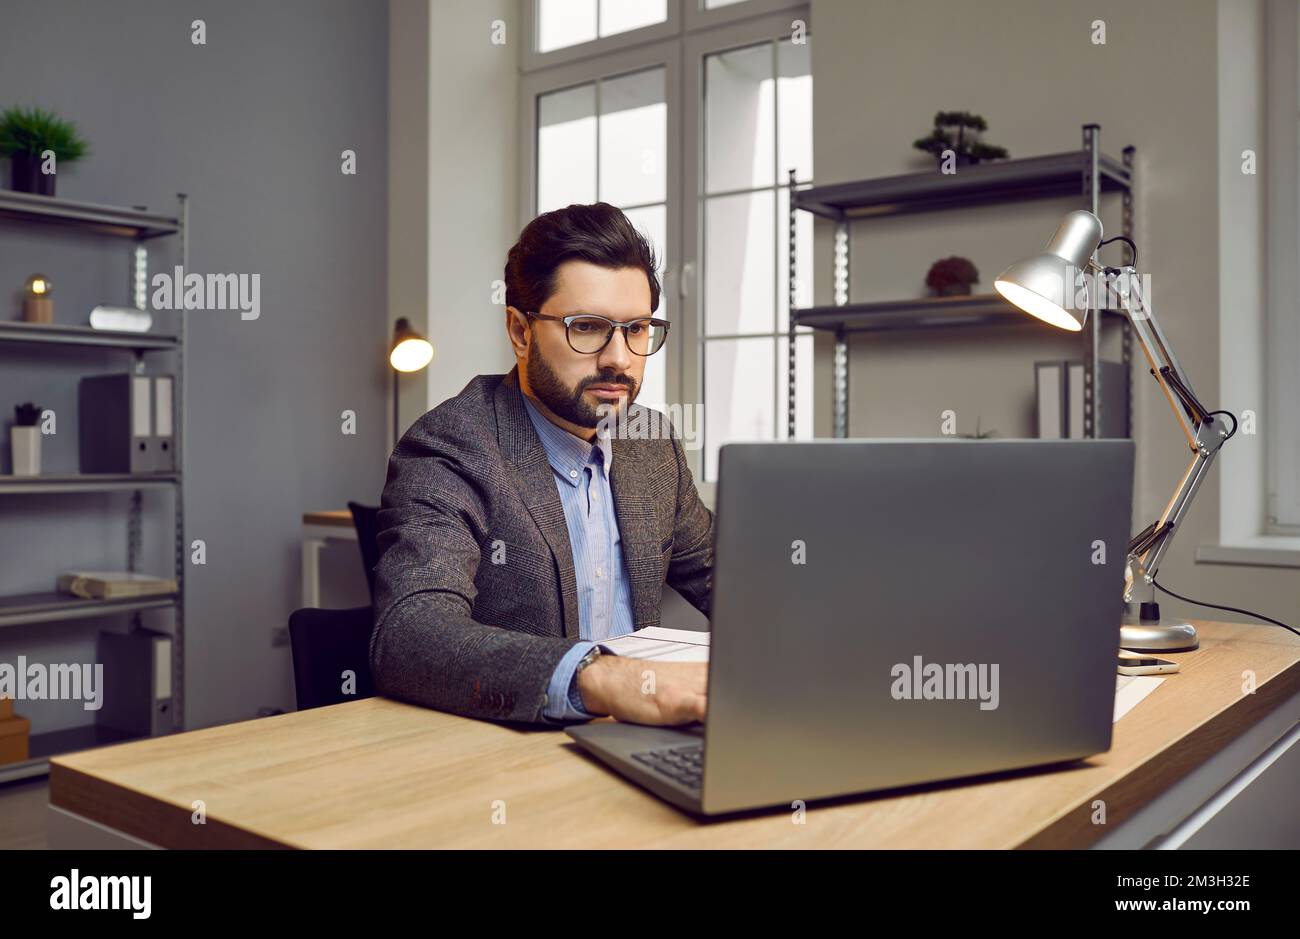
x: 568, y: 321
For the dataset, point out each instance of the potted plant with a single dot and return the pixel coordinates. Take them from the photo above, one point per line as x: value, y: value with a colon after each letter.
x: 25, y: 134
x: 959, y: 131
x: 25, y: 440
x: 952, y: 277
x: 979, y: 434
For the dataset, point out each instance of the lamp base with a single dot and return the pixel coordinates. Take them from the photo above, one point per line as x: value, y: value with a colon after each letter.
x: 1155, y: 634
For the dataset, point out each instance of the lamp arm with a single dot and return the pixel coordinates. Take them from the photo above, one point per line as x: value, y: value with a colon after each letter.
x: 1205, y: 433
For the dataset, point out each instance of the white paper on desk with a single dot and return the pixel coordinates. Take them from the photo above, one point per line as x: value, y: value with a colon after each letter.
x: 1130, y: 690
x: 687, y: 645
x: 666, y: 645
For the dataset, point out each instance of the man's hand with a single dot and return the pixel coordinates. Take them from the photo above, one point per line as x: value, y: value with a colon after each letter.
x: 645, y: 692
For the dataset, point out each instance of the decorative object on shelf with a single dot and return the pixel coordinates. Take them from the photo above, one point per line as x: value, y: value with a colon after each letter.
x: 121, y: 319
x: 965, y: 143
x: 25, y: 440
x: 409, y: 352
x: 952, y: 277
x: 38, y: 305
x: 109, y: 585
x: 1038, y: 286
x: 28, y: 133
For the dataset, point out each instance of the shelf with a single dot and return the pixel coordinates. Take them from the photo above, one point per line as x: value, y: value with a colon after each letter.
x: 41, y: 747
x: 1058, y: 174
x: 85, y: 216
x: 85, y: 482
x: 923, y: 313
x: 22, y: 608
x: 55, y: 334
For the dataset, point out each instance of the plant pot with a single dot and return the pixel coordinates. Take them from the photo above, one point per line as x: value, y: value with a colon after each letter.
x: 953, y: 290
x: 25, y: 446
x: 27, y: 175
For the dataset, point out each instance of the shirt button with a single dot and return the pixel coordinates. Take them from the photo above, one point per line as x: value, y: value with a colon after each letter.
x: 600, y: 571
x: 573, y: 474
x: 595, y: 497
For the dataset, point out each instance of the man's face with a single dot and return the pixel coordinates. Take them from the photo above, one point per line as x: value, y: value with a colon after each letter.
x: 582, y: 388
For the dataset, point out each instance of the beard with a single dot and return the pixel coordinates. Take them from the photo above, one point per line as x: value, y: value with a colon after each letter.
x: 569, y: 403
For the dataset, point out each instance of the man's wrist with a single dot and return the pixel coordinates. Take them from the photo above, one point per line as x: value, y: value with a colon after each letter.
x: 589, y: 680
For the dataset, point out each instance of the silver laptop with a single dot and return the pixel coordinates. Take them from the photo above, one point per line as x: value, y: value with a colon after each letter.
x: 888, y: 613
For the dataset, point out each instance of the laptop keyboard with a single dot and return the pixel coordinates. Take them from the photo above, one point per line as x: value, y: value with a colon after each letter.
x: 683, y: 764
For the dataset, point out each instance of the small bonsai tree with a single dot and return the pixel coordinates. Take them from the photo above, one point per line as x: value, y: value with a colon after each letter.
x: 959, y: 131
x: 32, y: 131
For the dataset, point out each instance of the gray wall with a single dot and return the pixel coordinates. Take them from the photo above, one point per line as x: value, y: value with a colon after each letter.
x: 251, y: 125
x: 1031, y: 69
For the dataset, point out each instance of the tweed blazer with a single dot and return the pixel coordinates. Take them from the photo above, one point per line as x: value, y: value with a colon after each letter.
x: 476, y: 600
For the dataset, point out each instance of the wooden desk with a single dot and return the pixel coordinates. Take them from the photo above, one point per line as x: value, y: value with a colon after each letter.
x: 377, y: 773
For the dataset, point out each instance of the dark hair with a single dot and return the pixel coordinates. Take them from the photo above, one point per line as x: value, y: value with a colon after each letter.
x: 599, y: 234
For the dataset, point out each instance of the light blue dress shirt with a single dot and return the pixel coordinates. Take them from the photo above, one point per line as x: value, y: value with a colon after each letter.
x: 581, y: 473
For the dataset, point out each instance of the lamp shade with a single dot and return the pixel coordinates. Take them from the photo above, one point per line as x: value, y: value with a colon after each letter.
x: 411, y: 351
x: 1038, y: 284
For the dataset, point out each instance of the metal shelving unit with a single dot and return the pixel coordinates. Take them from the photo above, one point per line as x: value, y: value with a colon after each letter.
x: 1086, y: 172
x: 84, y: 336
x: 139, y: 226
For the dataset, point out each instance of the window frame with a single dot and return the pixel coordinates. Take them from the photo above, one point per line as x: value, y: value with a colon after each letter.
x: 1281, y: 315
x: 531, y: 59
x: 733, y: 34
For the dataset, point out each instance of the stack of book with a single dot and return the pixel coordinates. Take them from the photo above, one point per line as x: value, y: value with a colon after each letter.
x: 111, y: 585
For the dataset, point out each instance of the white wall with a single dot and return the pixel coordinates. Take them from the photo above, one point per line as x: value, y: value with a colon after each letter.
x: 881, y: 70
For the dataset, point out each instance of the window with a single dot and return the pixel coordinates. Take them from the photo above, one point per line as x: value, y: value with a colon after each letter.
x: 562, y: 23
x: 689, y: 120
x: 1282, y: 423
x: 757, y: 130
x: 607, y: 141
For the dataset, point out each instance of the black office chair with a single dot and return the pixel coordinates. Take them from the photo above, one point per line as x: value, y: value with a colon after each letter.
x: 365, y: 519
x: 326, y: 643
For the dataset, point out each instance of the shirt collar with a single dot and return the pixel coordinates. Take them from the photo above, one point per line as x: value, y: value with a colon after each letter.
x: 567, y: 454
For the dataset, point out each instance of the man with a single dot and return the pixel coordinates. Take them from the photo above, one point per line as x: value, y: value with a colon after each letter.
x: 519, y: 527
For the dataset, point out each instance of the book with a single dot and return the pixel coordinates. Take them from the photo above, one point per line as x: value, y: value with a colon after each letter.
x: 106, y: 585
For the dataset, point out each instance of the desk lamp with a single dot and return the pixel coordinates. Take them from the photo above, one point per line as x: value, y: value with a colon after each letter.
x: 1043, y: 287
x: 409, y: 352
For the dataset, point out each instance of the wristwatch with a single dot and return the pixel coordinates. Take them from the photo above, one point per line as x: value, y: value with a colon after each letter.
x: 575, y: 695
x: 586, y: 660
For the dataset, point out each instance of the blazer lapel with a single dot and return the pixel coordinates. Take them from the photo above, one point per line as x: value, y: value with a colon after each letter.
x: 523, y: 450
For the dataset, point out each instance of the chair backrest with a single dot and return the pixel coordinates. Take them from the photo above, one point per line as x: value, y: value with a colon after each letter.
x: 365, y: 518
x: 326, y: 644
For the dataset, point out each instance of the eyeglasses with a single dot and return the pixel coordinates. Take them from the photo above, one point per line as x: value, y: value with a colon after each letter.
x: 588, y: 333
